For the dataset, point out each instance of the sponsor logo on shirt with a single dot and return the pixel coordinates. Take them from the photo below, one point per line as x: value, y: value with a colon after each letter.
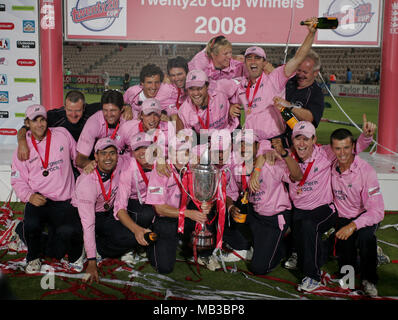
x: 155, y: 190
x: 15, y: 174
x: 374, y: 191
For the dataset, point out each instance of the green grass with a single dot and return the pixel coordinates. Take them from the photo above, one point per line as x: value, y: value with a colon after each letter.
x: 184, y: 281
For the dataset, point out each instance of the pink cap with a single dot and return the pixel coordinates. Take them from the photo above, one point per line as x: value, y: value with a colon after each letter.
x: 196, y: 78
x: 304, y: 128
x: 140, y: 140
x: 36, y: 110
x: 104, y: 143
x: 151, y: 105
x: 255, y: 50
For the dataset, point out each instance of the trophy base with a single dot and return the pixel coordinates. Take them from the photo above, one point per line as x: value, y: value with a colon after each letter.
x: 204, y: 240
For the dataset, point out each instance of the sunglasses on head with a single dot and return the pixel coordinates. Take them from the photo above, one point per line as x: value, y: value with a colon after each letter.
x: 215, y: 40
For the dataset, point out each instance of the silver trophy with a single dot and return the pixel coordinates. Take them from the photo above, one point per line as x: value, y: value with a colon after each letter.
x: 205, y: 181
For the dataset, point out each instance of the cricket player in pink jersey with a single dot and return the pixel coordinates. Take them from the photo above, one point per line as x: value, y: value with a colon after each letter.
x: 149, y: 123
x: 207, y: 108
x: 360, y: 209
x: 270, y: 207
x: 216, y: 60
x: 94, y: 197
x: 256, y: 93
x: 175, y: 93
x: 45, y: 182
x: 151, y: 78
x: 165, y: 194
x: 102, y: 124
x: 133, y: 184
x: 312, y: 198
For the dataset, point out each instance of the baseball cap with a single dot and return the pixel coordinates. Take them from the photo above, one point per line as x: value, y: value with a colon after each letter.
x: 196, y: 78
x: 151, y: 105
x: 35, y: 110
x: 305, y: 128
x: 140, y: 140
x: 104, y: 143
x: 255, y: 50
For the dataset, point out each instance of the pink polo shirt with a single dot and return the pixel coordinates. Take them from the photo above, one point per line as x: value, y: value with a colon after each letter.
x: 317, y: 189
x: 94, y: 129
x: 131, y: 186
x: 357, y: 190
x: 163, y: 190
x: 219, y: 104
x: 88, y: 199
x: 263, y: 116
x: 27, y: 176
x: 134, y: 96
x: 130, y: 128
x: 202, y: 62
x: 170, y: 96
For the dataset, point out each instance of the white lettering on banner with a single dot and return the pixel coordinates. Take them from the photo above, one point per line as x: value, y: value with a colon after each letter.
x: 225, y: 25
x: 275, y: 3
x: 48, y: 19
x: 233, y: 4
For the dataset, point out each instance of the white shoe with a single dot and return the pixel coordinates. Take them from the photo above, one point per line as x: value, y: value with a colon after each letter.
x: 291, y: 263
x: 369, y: 288
x: 129, y: 257
x: 78, y: 265
x: 237, y: 255
x: 33, y: 266
x: 15, y: 243
x: 308, y: 284
x: 210, y: 262
x: 382, y: 258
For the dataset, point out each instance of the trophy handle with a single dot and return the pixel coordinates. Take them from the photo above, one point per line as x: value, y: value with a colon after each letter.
x: 184, y: 170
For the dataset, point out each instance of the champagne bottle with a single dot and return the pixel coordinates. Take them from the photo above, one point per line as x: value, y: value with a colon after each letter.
x: 243, y: 205
x: 328, y: 233
x: 150, y: 237
x: 324, y: 23
x: 289, y: 117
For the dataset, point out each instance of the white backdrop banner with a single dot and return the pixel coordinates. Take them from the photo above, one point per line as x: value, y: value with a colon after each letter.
x: 19, y: 64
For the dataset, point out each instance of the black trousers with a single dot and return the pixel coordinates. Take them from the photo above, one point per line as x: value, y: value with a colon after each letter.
x: 65, y: 235
x: 268, y: 241
x: 308, y: 227
x: 362, y: 240
x: 113, y: 239
x: 163, y: 253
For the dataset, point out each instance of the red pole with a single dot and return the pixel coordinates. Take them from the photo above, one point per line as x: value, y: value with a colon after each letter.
x: 51, y: 85
x: 388, y: 110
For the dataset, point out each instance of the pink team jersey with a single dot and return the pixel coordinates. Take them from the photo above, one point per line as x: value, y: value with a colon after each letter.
x: 130, y: 128
x: 134, y: 96
x: 202, y: 62
x: 357, y: 190
x: 263, y: 117
x: 171, y: 98
x: 219, y: 104
x: 163, y: 190
x: 131, y: 186
x: 94, y: 129
x: 317, y: 189
x: 27, y: 176
x: 88, y: 199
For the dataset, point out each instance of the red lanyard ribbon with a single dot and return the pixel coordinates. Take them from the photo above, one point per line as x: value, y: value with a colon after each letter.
x: 306, y: 173
x: 183, y: 185
x: 47, y: 152
x: 143, y: 175
x: 107, y: 196
x: 202, y: 124
x: 178, y: 104
x: 255, y: 91
x: 243, y: 177
x: 141, y: 129
x: 114, y: 132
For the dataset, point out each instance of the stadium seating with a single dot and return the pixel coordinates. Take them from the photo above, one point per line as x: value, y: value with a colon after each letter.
x: 117, y: 59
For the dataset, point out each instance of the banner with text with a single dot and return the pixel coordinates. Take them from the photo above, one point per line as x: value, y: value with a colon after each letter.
x: 263, y: 22
x: 355, y: 90
x: 19, y: 64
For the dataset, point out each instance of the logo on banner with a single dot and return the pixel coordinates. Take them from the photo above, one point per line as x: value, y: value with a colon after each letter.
x: 4, y: 114
x: 4, y: 43
x: 96, y: 15
x: 2, y: 7
x: 8, y: 132
x: 28, y: 26
x: 3, y: 79
x: 26, y: 44
x: 26, y: 97
x: 4, y: 97
x: 26, y: 62
x: 353, y: 16
x: 6, y: 26
x: 3, y: 61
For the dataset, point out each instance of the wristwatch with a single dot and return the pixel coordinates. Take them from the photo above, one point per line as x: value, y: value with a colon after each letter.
x: 285, y: 155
